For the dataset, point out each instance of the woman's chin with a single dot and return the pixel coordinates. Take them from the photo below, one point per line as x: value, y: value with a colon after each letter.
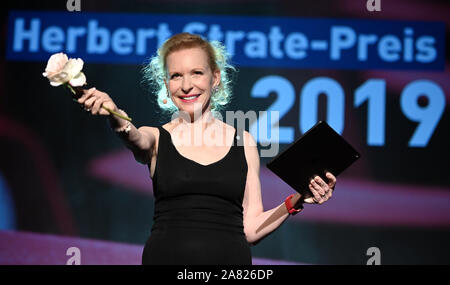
x: 194, y: 108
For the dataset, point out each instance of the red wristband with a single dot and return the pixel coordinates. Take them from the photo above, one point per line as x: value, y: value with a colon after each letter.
x: 290, y: 207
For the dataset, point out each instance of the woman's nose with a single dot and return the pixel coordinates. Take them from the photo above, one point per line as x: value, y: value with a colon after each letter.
x: 186, y: 86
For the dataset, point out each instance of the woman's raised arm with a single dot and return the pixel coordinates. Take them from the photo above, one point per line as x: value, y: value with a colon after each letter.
x: 139, y: 141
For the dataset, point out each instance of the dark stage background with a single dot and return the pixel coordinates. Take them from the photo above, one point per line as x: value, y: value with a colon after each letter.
x: 63, y: 172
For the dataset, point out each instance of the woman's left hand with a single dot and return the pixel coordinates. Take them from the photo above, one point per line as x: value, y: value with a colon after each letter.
x: 321, y: 190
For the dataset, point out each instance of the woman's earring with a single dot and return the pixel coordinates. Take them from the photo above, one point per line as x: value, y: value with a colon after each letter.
x: 167, y: 96
x: 215, y: 89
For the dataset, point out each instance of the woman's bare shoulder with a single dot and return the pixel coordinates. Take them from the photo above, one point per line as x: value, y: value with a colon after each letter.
x: 225, y: 125
x: 249, y: 140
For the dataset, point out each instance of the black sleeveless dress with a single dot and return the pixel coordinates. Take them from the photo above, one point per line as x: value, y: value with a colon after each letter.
x: 198, y: 209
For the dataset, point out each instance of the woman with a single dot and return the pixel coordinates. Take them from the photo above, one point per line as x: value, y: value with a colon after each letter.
x: 208, y: 205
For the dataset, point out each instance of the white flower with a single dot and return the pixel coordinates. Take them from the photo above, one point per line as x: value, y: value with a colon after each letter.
x: 61, y: 70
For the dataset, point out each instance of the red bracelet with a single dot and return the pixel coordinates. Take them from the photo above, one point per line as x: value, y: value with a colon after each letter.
x: 290, y: 207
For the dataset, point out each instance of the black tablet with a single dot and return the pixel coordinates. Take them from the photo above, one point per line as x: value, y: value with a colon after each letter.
x: 319, y: 150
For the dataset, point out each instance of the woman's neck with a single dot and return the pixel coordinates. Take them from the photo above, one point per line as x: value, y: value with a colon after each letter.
x: 199, y: 121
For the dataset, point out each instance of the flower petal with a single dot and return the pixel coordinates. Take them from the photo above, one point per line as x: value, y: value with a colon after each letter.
x: 56, y: 63
x: 78, y: 80
x: 59, y: 78
x: 60, y: 70
x: 73, y: 67
x: 55, y: 83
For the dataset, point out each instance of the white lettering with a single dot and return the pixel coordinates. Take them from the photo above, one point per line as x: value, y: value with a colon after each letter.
x: 189, y: 275
x: 373, y: 5
x: 73, y: 5
x: 376, y: 256
x: 76, y: 258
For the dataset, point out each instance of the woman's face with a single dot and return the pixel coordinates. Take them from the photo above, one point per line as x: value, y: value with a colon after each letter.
x: 191, y: 80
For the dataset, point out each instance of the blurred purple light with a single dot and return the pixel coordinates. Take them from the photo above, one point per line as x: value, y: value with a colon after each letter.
x: 354, y: 202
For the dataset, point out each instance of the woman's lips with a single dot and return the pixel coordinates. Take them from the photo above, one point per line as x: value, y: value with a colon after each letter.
x: 189, y: 98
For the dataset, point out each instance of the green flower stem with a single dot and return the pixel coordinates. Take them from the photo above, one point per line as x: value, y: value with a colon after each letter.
x: 70, y: 88
x: 117, y: 114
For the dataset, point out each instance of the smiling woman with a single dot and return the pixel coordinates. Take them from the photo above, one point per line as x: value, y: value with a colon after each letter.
x: 208, y: 204
x: 217, y: 58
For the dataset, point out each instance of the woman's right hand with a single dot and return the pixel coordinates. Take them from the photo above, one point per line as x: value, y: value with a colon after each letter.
x: 92, y: 100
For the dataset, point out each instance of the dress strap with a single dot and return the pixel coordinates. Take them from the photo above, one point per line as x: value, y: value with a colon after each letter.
x: 161, y: 130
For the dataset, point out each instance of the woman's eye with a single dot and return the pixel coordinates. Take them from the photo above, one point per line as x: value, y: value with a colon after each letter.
x: 175, y: 75
x: 198, y: 72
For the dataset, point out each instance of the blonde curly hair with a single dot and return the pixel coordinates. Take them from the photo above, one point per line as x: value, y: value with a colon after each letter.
x: 154, y: 73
